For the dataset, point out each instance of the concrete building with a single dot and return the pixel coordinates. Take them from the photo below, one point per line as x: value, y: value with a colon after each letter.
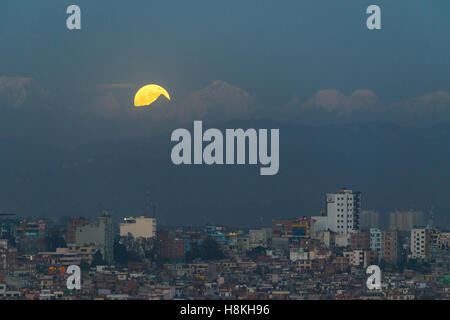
x: 99, y: 234
x: 441, y: 240
x: 319, y: 224
x: 369, y: 219
x: 68, y: 256
x: 172, y: 249
x: 360, y: 240
x: 420, y: 243
x: 341, y: 240
x: 356, y: 257
x: 327, y: 238
x: 292, y: 228
x: 391, y: 246
x: 259, y: 237
x: 280, y: 244
x: 138, y: 227
x: 405, y: 220
x: 376, y: 241
x: 73, y: 225
x: 85, y: 253
x: 343, y: 210
x: 8, y: 224
x: 370, y: 257
x: 298, y: 254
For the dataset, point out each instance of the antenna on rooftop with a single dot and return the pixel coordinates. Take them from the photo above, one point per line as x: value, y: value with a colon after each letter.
x: 154, y: 205
x: 147, y: 202
x: 431, y: 217
x: 150, y: 207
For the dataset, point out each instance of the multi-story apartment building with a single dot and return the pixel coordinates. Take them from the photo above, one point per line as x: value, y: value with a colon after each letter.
x: 369, y: 219
x: 371, y: 257
x: 8, y: 224
x: 343, y: 210
x: 99, y: 234
x: 360, y: 240
x: 441, y: 240
x: 376, y: 241
x: 405, y: 220
x: 138, y: 227
x: 259, y: 237
x: 355, y: 257
x: 390, y: 247
x: 420, y: 243
x: 73, y: 225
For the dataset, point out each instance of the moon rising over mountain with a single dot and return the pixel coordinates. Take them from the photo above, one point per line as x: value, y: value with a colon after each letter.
x: 149, y: 94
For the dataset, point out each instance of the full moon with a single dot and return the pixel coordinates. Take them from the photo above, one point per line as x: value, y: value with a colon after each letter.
x: 148, y: 94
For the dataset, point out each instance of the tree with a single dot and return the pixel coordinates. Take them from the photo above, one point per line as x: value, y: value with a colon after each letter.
x: 256, y: 252
x: 97, y: 259
x: 120, y: 253
x: 54, y: 240
x: 122, y: 256
x: 259, y: 270
x: 211, y: 250
x: 84, y: 266
x: 207, y: 251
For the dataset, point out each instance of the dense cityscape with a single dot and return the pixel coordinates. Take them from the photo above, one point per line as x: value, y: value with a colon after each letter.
x: 304, y: 258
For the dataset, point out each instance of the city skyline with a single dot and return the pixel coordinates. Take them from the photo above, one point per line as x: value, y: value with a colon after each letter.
x: 398, y: 219
x: 143, y: 261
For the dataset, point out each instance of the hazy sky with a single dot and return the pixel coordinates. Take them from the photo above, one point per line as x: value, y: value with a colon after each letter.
x: 305, y: 61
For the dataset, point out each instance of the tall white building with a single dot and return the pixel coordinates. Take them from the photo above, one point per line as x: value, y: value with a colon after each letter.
x: 343, y: 209
x: 138, y: 227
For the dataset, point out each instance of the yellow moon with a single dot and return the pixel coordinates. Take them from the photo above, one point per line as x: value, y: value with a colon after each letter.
x: 148, y: 94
